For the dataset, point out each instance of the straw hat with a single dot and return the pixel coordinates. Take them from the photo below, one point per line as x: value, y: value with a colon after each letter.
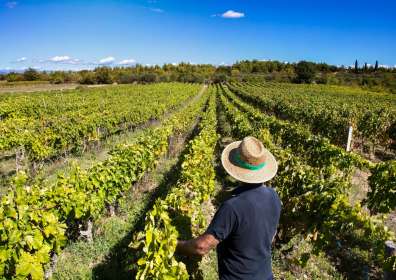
x: 248, y: 161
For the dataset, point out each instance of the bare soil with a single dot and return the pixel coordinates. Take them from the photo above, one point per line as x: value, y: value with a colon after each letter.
x: 42, y: 87
x: 360, y: 186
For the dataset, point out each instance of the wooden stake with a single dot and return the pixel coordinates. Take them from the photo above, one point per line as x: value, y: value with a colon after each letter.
x: 88, y: 234
x: 348, y: 147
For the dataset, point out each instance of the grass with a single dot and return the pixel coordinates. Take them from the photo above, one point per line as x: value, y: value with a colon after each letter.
x: 107, y: 256
x: 92, y: 156
x: 208, y: 266
x: 297, y: 260
x: 85, y: 160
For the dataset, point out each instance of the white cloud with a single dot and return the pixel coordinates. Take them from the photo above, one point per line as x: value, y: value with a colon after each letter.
x: 74, y: 61
x: 107, y: 60
x: 127, y: 62
x: 60, y: 58
x: 384, y: 66
x: 232, y: 14
x: 21, y: 59
x: 11, y: 4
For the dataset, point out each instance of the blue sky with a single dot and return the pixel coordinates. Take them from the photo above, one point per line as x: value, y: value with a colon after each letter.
x: 83, y: 34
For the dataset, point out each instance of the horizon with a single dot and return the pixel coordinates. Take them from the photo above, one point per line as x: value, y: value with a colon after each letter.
x: 77, y: 35
x: 6, y: 71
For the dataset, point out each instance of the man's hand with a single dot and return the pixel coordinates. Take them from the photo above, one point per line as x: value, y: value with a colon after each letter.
x: 197, y: 247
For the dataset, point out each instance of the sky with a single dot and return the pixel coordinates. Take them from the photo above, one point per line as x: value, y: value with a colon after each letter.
x: 51, y: 35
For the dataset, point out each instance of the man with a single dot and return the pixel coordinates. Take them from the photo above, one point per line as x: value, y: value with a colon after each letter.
x: 244, y: 226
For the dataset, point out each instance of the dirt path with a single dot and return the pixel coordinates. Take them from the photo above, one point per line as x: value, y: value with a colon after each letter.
x: 43, y: 87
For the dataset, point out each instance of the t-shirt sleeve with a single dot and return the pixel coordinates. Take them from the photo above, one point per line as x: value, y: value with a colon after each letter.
x: 223, y: 223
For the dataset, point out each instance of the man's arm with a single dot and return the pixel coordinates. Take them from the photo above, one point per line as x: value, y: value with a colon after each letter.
x: 197, y: 247
x: 223, y: 223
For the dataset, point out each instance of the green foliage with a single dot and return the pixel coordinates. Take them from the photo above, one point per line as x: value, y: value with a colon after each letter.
x: 376, y: 78
x: 156, y: 245
x: 34, y: 218
x: 324, y: 109
x: 305, y: 72
x: 57, y: 77
x: 382, y: 195
x: 103, y: 75
x: 87, y: 78
x: 314, y: 197
x: 29, y: 233
x: 315, y: 149
x: 31, y: 75
x: 47, y: 125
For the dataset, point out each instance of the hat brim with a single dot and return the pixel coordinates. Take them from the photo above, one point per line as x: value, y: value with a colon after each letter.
x: 246, y: 175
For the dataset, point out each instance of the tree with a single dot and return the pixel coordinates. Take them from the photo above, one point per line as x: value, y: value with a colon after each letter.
x: 87, y: 77
x: 103, y: 75
x: 235, y: 73
x: 305, y: 72
x: 220, y: 77
x: 356, y: 66
x: 31, y: 75
x: 14, y: 77
x: 376, y: 66
x: 149, y: 78
x: 57, y: 77
x: 365, y: 67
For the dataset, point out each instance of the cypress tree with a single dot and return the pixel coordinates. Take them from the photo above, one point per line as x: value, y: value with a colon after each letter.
x: 356, y: 66
x: 365, y: 67
x: 376, y: 65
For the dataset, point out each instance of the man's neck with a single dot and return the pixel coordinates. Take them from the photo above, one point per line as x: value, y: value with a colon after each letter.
x: 246, y: 187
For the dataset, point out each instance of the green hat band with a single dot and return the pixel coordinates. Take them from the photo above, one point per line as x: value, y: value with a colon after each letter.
x: 241, y: 163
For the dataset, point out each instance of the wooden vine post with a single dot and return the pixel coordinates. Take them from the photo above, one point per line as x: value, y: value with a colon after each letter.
x: 19, y: 158
x: 390, y: 250
x: 171, y: 146
x: 349, y: 142
x: 88, y: 233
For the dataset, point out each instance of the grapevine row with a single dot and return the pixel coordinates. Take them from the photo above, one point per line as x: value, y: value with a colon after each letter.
x: 36, y: 220
x: 328, y: 113
x: 316, y: 206
x: 319, y: 152
x: 45, y: 125
x: 156, y: 244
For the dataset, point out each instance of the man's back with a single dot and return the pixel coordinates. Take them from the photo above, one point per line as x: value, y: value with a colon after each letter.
x: 245, y: 225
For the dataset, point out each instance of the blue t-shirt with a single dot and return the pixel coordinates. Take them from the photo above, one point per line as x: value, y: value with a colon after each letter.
x: 245, y: 225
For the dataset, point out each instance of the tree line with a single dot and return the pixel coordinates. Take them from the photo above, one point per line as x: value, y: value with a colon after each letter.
x: 372, y: 77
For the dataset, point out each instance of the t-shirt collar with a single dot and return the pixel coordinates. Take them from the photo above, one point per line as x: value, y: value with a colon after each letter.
x: 245, y: 187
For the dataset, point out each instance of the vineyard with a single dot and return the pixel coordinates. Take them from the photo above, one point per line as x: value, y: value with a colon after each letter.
x: 48, y: 226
